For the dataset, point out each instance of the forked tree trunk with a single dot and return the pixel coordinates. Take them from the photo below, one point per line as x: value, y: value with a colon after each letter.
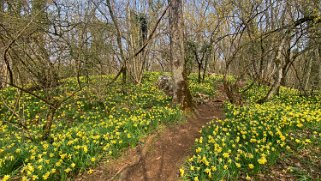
x: 181, y: 93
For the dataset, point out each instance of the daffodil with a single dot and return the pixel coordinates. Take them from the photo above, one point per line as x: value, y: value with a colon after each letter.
x: 198, y: 150
x: 262, y: 160
x: 226, y: 155
x: 213, y: 168
x: 181, y: 172
x: 46, y: 175
x: 93, y: 159
x: 6, y: 177
x: 67, y: 170
x: 35, y: 177
x: 90, y: 171
x: 225, y: 167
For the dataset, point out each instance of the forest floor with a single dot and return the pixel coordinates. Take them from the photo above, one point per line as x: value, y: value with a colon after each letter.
x: 160, y: 155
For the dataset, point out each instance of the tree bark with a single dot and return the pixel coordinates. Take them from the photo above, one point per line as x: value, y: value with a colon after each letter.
x: 279, y: 62
x: 49, y: 122
x: 315, y: 71
x: 3, y: 76
x: 119, y: 41
x: 181, y: 93
x: 307, y: 74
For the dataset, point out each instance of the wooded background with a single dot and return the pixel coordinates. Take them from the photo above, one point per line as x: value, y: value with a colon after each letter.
x: 274, y: 42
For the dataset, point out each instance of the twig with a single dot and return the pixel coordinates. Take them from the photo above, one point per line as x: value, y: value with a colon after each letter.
x: 16, y: 125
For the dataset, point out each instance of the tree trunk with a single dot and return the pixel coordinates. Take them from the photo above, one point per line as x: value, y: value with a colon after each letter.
x: 119, y: 42
x: 306, y: 75
x: 48, y: 124
x: 3, y: 76
x: 205, y: 69
x: 199, y: 72
x: 315, y: 71
x: 319, y: 66
x: 279, y: 62
x: 1, y: 5
x: 181, y: 93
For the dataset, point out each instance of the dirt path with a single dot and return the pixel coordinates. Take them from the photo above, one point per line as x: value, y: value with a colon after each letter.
x: 161, y: 155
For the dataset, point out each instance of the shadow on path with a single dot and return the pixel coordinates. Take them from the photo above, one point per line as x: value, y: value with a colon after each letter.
x: 161, y: 155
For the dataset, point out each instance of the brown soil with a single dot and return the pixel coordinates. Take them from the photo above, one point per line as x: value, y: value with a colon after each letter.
x: 161, y: 154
